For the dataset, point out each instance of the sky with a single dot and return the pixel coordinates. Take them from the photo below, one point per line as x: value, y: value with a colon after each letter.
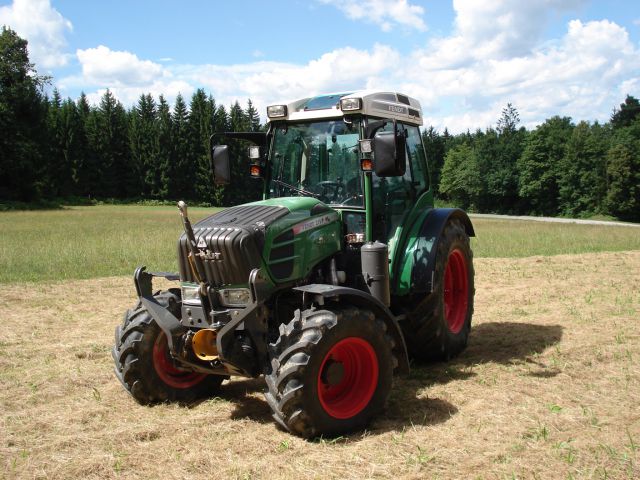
x: 464, y: 60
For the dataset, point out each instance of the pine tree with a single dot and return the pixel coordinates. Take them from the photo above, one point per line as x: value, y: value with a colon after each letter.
x: 200, y: 129
x: 143, y: 136
x: 165, y: 145
x: 508, y: 122
x: 62, y: 125
x: 502, y: 175
x: 92, y: 167
x: 253, y: 117
x: 109, y: 126
x: 182, y: 164
x: 22, y: 120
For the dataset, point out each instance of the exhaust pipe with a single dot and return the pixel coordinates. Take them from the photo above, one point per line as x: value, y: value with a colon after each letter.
x: 204, y: 344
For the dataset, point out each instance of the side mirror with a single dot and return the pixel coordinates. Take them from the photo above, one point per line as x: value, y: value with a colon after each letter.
x: 389, y: 153
x: 220, y: 165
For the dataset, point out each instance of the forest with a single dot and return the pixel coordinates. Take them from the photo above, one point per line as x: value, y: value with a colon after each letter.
x: 69, y: 150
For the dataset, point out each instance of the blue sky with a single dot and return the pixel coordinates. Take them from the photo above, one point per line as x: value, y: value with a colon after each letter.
x: 464, y: 60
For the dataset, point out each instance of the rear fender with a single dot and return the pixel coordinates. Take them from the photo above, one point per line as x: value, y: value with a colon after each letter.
x: 358, y: 298
x: 417, y: 264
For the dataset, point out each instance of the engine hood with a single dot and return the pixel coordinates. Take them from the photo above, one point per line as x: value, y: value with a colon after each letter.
x: 288, y: 236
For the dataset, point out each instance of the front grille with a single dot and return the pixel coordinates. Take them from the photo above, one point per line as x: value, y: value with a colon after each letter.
x: 233, y: 240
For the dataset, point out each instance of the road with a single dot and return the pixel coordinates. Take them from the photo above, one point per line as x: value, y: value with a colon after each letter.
x: 554, y: 220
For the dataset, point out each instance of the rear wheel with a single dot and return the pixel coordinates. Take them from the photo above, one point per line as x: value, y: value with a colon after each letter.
x: 438, y: 328
x: 331, y: 371
x: 143, y: 364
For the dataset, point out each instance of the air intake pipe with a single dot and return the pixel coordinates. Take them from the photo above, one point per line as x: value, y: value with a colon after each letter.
x: 375, y: 270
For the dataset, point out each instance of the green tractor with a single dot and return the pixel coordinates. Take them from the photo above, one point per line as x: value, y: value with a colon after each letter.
x: 326, y: 287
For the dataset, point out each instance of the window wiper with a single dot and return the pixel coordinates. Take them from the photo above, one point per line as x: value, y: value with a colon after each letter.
x: 299, y: 190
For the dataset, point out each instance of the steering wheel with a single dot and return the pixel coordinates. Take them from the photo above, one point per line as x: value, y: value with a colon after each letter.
x: 354, y: 199
x: 331, y: 191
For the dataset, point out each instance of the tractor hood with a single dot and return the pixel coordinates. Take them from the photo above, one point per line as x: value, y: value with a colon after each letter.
x: 288, y: 236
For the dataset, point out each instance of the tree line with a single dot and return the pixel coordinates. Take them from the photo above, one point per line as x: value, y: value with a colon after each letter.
x: 62, y: 148
x: 559, y: 168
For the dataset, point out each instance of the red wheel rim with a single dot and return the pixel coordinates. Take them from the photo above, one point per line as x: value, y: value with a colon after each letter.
x: 456, y: 291
x: 165, y: 369
x: 351, y: 393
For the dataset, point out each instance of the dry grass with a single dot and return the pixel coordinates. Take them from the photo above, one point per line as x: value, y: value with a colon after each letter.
x: 548, y: 388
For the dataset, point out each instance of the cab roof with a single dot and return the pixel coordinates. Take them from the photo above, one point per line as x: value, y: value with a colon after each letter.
x: 374, y: 103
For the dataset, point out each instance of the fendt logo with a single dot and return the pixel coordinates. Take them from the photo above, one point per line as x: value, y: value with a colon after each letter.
x: 395, y: 109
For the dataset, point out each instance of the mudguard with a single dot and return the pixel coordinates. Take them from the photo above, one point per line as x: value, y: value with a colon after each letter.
x: 414, y: 272
x: 362, y: 299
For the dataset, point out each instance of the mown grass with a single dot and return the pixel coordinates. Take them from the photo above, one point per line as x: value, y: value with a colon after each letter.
x: 548, y: 388
x: 105, y: 240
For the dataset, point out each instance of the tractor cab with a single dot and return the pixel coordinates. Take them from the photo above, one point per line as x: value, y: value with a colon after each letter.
x: 360, y: 153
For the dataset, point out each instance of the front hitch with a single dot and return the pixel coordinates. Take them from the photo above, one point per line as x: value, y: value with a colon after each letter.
x: 167, y: 322
x: 252, y: 318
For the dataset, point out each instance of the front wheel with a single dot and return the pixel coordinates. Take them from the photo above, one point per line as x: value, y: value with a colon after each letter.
x: 438, y: 328
x: 143, y: 364
x: 331, y: 372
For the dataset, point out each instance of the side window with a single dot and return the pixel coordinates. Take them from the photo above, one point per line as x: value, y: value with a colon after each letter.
x: 417, y: 158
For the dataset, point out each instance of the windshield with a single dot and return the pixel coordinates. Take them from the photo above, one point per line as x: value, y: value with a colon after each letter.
x: 317, y: 159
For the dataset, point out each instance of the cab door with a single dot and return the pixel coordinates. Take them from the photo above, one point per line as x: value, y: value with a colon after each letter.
x: 394, y: 197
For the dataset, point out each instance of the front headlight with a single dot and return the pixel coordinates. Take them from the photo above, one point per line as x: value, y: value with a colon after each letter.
x: 276, y: 111
x: 350, y: 104
x: 190, y: 293
x: 235, y: 297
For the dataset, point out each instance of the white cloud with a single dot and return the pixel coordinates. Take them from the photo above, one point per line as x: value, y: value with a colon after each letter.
x: 579, y: 75
x: 125, y: 75
x: 496, y: 29
x: 43, y: 27
x: 384, y: 13
x: 104, y: 66
x: 266, y: 82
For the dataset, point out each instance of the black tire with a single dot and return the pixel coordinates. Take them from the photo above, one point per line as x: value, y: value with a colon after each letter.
x: 438, y: 328
x: 142, y: 363
x: 322, y: 380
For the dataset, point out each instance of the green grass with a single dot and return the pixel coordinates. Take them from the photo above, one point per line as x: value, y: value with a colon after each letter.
x: 105, y: 240
x: 521, y: 238
x: 87, y: 242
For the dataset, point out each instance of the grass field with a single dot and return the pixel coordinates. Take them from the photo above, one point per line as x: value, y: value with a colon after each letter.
x: 549, y: 387
x: 99, y: 241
